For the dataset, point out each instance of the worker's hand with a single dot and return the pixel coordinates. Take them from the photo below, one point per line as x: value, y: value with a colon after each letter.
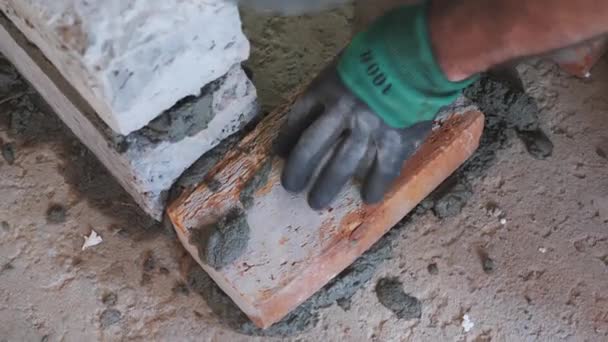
x: 370, y: 110
x: 329, y: 118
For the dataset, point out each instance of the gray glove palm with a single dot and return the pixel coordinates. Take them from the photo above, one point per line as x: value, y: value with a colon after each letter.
x: 330, y: 125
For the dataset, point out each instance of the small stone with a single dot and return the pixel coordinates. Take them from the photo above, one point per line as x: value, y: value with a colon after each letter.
x: 467, y: 323
x: 493, y: 209
x: 503, y: 221
x: 149, y: 262
x: 8, y: 152
x: 56, y: 214
x: 109, y: 298
x: 537, y: 143
x: 145, y: 279
x: 344, y: 303
x: 181, y: 288
x: 451, y: 199
x: 433, y: 269
x: 76, y: 261
x: 601, y: 148
x: 542, y: 250
x: 109, y: 317
x: 487, y: 263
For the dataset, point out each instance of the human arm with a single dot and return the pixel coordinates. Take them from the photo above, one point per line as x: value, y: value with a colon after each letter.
x: 471, y: 36
x: 402, y: 69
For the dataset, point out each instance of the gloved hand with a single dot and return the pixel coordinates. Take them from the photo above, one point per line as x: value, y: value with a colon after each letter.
x: 370, y: 110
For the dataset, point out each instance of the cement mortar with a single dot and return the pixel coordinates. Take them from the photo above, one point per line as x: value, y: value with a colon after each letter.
x: 499, y: 98
x: 340, y: 290
x: 222, y: 243
x: 186, y: 118
x: 392, y: 296
x: 506, y: 107
x: 255, y: 183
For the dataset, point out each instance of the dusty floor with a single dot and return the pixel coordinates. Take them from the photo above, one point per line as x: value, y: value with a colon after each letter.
x: 526, y: 259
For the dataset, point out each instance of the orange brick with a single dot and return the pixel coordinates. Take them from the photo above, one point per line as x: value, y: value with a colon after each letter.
x: 294, y: 251
x: 579, y: 60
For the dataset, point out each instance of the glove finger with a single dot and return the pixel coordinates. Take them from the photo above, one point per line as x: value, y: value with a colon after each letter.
x: 366, y: 163
x: 340, y: 168
x: 394, y: 147
x: 310, y: 149
x: 302, y: 114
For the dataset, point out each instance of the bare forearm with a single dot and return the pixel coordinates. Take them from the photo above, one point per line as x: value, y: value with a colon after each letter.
x: 470, y: 36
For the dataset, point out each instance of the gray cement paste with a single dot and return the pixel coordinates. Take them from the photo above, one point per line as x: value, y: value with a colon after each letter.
x: 186, y: 118
x: 506, y: 107
x: 391, y: 295
x: 109, y: 317
x: 451, y: 197
x: 223, y: 242
x: 255, y: 183
x: 487, y: 263
x: 518, y: 110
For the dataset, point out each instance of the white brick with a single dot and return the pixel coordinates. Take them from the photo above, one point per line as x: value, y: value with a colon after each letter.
x: 156, y: 166
x: 145, y: 163
x: 132, y: 59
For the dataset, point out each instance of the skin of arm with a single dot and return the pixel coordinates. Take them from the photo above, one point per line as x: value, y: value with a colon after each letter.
x: 471, y: 36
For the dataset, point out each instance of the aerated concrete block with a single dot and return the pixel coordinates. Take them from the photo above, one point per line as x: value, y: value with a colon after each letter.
x: 133, y: 59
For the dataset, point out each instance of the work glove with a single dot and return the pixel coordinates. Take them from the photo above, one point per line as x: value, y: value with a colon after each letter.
x: 368, y: 112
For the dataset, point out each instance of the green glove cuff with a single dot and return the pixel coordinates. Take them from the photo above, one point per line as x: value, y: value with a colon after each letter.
x: 391, y: 67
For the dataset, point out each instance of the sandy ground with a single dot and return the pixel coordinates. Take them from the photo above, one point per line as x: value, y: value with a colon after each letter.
x: 525, y: 260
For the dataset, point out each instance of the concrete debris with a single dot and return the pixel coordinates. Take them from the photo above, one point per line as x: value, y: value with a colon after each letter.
x: 56, y: 214
x: 467, y: 323
x: 92, y: 240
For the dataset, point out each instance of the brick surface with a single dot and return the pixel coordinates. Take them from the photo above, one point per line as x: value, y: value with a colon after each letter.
x: 579, y: 60
x: 294, y: 251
